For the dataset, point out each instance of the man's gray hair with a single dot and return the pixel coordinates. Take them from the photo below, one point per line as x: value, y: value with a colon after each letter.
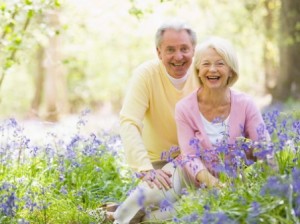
x: 176, y: 25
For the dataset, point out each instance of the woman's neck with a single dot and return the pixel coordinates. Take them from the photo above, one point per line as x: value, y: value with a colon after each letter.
x: 214, y: 97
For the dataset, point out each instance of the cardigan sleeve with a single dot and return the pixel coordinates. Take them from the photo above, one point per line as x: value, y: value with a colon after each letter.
x: 255, y: 128
x: 189, y: 144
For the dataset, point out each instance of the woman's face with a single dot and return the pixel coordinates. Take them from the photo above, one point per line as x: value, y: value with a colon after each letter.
x: 213, y: 70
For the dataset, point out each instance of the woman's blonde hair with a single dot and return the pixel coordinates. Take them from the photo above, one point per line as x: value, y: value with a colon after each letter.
x: 225, y: 49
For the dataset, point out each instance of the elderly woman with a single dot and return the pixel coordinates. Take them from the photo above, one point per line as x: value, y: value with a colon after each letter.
x: 215, y: 114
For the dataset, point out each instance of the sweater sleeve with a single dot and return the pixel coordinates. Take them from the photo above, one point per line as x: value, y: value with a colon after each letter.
x: 255, y: 127
x: 189, y: 144
x: 135, y: 105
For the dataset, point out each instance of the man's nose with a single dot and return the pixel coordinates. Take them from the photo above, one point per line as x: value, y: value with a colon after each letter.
x: 178, y: 55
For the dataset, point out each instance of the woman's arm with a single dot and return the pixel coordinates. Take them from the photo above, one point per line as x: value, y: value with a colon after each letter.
x: 190, y: 149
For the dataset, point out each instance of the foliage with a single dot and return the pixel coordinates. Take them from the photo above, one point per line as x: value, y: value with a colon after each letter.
x: 56, y: 182
x: 100, y: 49
x: 15, y: 31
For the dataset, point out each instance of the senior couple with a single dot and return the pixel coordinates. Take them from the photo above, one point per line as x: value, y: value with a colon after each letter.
x: 176, y: 100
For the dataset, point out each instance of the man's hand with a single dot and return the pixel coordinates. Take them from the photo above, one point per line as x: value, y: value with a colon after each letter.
x: 205, y: 177
x: 159, y: 178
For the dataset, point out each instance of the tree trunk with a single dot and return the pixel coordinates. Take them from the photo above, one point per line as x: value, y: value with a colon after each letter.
x: 39, y: 83
x: 269, y: 57
x: 55, y: 82
x: 288, y: 83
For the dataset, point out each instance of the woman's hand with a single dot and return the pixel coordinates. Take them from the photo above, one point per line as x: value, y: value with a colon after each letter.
x: 205, y: 177
x: 159, y: 178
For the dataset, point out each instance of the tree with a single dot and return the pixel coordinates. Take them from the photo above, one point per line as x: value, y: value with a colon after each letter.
x: 288, y: 82
x: 16, y: 17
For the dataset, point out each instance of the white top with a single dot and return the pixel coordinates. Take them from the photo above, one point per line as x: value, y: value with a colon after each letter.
x: 178, y: 83
x: 215, y: 130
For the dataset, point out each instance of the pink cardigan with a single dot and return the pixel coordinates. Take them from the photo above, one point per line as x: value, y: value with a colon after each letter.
x: 245, y: 120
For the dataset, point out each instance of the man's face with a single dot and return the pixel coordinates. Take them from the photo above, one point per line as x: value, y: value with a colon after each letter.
x: 176, y: 52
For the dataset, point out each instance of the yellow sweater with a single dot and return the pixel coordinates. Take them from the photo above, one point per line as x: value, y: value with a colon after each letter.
x: 147, y: 117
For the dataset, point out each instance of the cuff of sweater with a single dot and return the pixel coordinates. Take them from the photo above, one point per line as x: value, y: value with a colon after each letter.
x: 193, y: 168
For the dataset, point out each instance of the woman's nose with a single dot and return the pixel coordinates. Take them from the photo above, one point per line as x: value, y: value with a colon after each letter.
x: 212, y: 68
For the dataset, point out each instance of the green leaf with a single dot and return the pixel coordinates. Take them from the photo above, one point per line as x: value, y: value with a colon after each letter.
x: 30, y: 13
x: 8, y: 63
x: 3, y: 7
x: 57, y: 3
x: 28, y: 2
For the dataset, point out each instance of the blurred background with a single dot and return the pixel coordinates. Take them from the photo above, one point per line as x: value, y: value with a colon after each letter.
x: 58, y: 58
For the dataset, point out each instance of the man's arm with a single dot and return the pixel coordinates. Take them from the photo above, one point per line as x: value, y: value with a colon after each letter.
x: 134, y: 108
x: 135, y: 105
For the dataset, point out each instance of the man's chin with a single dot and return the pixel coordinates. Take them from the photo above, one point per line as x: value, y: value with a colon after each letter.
x: 178, y: 75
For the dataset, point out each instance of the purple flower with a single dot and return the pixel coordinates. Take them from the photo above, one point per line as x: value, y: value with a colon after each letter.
x: 296, y: 127
x: 261, y: 131
x: 195, y: 144
x: 63, y: 190
x: 276, y: 186
x: 9, y: 204
x: 141, y: 198
x: 206, y: 207
x: 166, y: 205
x: 296, y: 180
x: 216, y: 218
x: 184, y: 191
x: 190, y: 218
x: 297, y: 206
x: 253, y: 216
x: 29, y: 203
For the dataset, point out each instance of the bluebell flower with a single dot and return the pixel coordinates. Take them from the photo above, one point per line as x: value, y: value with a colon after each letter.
x: 190, y: 218
x: 277, y: 187
x: 63, y: 190
x: 141, y: 198
x: 216, y: 218
x: 296, y: 127
x: 253, y: 215
x: 29, y: 204
x: 9, y: 204
x: 296, y: 180
x: 176, y: 220
x: 166, y: 205
x: 82, y: 118
x: 195, y: 144
x: 184, y: 191
x: 206, y: 207
x: 297, y: 205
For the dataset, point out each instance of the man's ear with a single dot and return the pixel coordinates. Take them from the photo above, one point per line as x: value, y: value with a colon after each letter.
x: 158, y: 52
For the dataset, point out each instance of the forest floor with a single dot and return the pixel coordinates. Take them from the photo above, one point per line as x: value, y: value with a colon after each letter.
x: 67, y: 126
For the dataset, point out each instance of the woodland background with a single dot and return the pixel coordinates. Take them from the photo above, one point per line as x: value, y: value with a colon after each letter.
x: 60, y: 57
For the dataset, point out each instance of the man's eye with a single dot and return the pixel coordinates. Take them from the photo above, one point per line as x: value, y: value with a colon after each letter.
x: 170, y: 50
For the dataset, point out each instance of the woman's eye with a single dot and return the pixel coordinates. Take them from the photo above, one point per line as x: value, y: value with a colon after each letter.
x: 185, y: 50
